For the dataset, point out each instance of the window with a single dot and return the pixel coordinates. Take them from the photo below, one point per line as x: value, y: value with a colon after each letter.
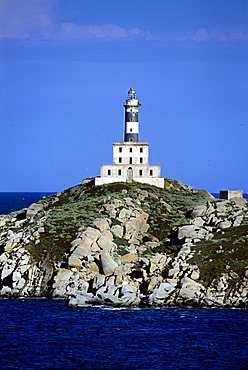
x: 131, y: 140
x: 130, y: 150
x: 120, y: 160
x: 141, y: 160
x: 151, y: 172
x: 131, y: 130
x: 109, y: 172
x: 120, y: 150
x: 119, y: 172
x: 140, y: 172
x: 141, y: 150
x: 130, y: 160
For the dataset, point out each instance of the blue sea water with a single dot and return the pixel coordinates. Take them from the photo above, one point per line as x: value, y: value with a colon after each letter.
x: 46, y: 334
x: 10, y: 202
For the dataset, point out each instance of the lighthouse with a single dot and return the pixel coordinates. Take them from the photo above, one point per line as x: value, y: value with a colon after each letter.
x: 131, y: 157
x: 131, y: 106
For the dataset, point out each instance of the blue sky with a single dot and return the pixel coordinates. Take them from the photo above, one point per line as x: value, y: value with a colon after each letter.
x: 66, y: 66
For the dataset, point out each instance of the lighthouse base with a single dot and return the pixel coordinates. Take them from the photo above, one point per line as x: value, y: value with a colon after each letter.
x: 154, y: 181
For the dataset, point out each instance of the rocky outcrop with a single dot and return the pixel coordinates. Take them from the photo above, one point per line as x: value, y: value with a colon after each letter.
x: 121, y: 257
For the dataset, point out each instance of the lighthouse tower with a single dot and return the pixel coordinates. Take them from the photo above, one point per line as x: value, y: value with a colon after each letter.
x: 131, y: 106
x: 130, y: 157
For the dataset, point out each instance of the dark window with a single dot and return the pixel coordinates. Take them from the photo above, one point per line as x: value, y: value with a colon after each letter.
x: 141, y: 150
x: 131, y: 140
x: 141, y: 160
x: 109, y: 172
x: 131, y: 130
x: 151, y: 172
x: 140, y: 172
x: 120, y: 150
x: 130, y: 160
x: 120, y: 160
x: 130, y: 150
x: 119, y: 172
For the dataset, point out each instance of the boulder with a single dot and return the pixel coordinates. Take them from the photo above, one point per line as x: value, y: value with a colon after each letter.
x: 239, y: 203
x: 91, y: 233
x: 238, y: 220
x: 224, y: 225
x: 154, y: 281
x: 108, y: 294
x: 101, y: 224
x: 33, y: 209
x: 98, y: 281
x: 190, y: 291
x: 124, y: 214
x: 105, y: 243
x: 74, y: 261
x: 188, y: 231
x: 198, y: 211
x: 195, y: 275
x: 129, y: 295
x: 81, y: 252
x: 161, y: 294
x: 135, y: 226
x: 108, y: 264
x: 129, y: 257
x: 108, y: 234
x: 198, y: 221
x: 117, y: 230
x: 81, y: 300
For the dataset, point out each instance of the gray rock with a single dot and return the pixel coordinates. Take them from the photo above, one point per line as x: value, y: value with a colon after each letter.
x: 108, y: 294
x: 195, y: 275
x: 238, y: 220
x: 224, y: 225
x: 188, y: 231
x: 129, y: 295
x: 82, y: 300
x: 33, y: 209
x: 160, y: 295
x: 198, y: 221
x: 198, y: 211
x: 190, y: 289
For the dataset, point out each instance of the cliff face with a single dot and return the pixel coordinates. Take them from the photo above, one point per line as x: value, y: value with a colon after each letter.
x: 128, y: 245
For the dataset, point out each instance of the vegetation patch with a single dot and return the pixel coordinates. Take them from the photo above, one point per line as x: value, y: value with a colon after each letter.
x: 224, y: 253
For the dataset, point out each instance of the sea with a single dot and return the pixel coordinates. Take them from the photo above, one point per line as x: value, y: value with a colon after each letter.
x: 47, y: 334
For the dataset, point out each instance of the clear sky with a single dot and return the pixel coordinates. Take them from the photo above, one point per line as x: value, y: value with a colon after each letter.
x: 66, y: 66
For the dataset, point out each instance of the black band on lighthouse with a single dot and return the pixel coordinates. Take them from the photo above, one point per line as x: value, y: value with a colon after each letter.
x: 131, y: 116
x: 130, y: 137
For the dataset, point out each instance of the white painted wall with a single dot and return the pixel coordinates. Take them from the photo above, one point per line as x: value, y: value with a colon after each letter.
x: 135, y: 153
x: 132, y: 127
x: 159, y: 182
x: 145, y: 168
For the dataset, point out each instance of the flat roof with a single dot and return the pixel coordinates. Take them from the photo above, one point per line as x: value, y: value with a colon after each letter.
x: 138, y: 143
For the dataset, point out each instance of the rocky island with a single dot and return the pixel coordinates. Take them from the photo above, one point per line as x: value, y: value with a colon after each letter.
x: 126, y: 245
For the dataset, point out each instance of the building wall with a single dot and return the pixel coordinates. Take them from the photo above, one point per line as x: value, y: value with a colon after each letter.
x: 159, y: 182
x: 130, y: 153
x: 229, y: 194
x: 138, y: 171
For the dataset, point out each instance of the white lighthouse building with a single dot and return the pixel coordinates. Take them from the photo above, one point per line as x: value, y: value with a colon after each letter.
x: 130, y: 157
